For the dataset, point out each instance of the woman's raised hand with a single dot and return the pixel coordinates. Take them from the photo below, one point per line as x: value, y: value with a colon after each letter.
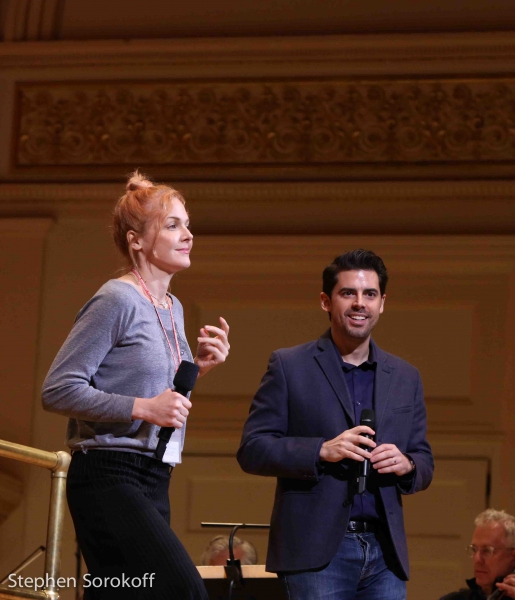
x: 213, y: 346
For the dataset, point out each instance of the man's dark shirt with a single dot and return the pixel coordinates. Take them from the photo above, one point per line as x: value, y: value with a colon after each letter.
x: 474, y: 592
x: 360, y: 382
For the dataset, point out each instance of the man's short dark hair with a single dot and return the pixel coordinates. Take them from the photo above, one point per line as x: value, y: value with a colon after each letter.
x: 355, y: 260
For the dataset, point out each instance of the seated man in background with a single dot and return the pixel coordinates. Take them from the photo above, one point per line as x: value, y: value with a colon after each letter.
x: 493, y: 553
x: 217, y: 551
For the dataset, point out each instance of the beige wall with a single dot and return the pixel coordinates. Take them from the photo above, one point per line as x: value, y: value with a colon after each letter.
x: 445, y: 234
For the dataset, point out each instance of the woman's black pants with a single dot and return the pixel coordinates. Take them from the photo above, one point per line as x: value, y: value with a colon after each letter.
x: 121, y: 512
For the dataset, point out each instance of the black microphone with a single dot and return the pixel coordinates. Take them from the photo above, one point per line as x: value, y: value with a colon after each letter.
x: 368, y: 417
x: 183, y: 382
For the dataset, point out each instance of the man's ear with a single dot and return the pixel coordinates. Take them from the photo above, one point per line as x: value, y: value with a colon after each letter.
x: 325, y: 302
x: 383, y: 298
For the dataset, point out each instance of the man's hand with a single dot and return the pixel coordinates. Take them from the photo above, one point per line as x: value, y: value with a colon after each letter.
x: 387, y: 458
x: 212, y: 351
x: 168, y: 409
x: 508, y: 586
x: 347, y: 445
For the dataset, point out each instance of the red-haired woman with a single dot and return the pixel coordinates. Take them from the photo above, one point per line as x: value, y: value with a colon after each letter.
x: 112, y: 378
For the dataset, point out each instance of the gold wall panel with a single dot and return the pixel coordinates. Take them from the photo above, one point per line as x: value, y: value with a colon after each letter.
x: 229, y: 497
x: 212, y: 487
x: 434, y: 316
x: 11, y: 491
x: 439, y: 524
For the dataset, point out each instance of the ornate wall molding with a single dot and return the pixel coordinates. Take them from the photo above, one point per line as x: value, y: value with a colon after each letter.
x: 415, y: 54
x: 102, y: 195
x: 267, y: 123
x: 420, y: 207
x: 32, y: 20
x: 299, y: 108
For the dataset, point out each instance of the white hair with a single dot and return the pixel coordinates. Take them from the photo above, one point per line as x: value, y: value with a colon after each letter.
x: 499, y: 517
x: 220, y: 543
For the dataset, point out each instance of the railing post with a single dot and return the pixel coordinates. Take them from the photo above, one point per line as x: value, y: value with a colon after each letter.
x: 57, y: 463
x: 55, y: 523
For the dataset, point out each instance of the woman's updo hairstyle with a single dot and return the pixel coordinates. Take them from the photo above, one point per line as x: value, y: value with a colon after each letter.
x: 144, y: 205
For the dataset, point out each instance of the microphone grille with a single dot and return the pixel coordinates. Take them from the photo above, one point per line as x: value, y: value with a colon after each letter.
x: 368, y: 417
x: 186, y: 375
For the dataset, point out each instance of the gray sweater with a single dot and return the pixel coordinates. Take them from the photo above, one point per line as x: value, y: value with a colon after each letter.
x: 115, y: 352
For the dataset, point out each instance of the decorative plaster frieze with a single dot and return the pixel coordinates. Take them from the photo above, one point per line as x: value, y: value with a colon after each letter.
x: 266, y: 123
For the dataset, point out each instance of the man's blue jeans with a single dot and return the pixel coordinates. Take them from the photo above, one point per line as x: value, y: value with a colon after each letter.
x: 357, y: 572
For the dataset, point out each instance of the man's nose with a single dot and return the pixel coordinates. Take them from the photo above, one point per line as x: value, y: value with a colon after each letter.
x: 358, y: 299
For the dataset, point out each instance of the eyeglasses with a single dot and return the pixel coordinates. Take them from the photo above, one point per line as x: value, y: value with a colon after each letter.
x: 484, y: 551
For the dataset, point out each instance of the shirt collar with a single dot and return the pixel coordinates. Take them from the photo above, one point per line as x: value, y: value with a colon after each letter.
x: 368, y: 364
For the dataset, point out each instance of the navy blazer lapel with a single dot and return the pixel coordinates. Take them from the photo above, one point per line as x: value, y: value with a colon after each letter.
x: 328, y: 360
x: 384, y: 373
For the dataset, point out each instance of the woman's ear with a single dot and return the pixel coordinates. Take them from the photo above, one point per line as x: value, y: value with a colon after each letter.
x: 133, y: 240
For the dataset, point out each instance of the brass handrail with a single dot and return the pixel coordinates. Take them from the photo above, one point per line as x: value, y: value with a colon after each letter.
x: 58, y: 463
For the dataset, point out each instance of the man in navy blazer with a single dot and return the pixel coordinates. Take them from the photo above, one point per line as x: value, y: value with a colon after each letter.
x: 330, y: 539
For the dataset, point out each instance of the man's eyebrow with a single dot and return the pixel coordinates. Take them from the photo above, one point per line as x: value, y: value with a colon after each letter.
x: 350, y: 289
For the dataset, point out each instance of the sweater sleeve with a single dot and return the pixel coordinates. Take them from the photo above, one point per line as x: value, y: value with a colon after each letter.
x: 67, y: 389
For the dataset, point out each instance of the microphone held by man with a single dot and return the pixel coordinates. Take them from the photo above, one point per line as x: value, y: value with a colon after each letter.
x: 368, y: 419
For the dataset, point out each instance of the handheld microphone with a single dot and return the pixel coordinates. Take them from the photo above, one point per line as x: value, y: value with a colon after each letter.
x: 368, y: 418
x: 183, y: 382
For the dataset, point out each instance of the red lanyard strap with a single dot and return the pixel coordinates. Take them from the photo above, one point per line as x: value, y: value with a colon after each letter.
x: 176, y: 362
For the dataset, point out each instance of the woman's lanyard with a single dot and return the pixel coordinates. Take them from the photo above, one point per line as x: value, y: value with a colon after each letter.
x: 176, y: 362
